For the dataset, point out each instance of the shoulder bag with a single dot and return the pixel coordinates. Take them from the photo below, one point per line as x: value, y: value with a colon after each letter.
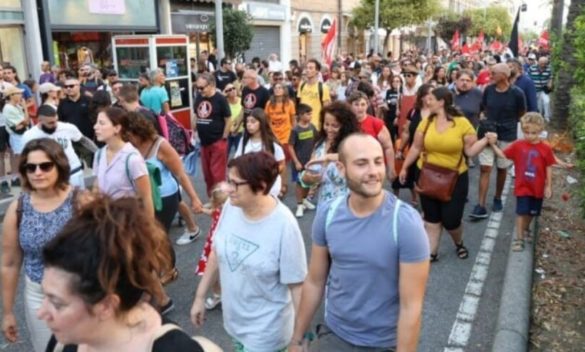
x: 436, y: 181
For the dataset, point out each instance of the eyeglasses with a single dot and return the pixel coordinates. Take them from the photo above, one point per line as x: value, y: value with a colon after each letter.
x: 236, y: 184
x: 409, y: 74
x: 278, y: 78
x: 200, y: 88
x: 229, y: 90
x: 69, y: 86
x: 31, y: 168
x: 227, y: 63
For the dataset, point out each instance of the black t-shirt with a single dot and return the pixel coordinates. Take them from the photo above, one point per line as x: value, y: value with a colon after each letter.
x: 256, y: 98
x: 415, y: 119
x: 211, y: 114
x: 504, y: 109
x: 223, y: 78
x: 174, y: 340
x: 391, y: 99
x: 77, y: 113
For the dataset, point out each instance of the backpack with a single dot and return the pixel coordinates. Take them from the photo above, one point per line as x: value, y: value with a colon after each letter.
x: 335, y: 204
x: 177, y: 135
x: 319, y: 87
x: 153, y: 176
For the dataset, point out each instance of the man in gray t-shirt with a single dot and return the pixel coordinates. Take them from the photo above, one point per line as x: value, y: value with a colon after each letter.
x: 371, y: 252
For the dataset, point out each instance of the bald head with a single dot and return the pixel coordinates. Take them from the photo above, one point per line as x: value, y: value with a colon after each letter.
x: 357, y: 144
x: 251, y: 78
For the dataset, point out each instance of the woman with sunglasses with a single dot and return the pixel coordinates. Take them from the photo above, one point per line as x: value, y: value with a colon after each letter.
x: 31, y: 221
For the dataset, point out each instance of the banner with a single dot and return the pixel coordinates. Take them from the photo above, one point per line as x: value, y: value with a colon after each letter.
x: 513, y: 43
x: 328, y: 44
x: 455, y: 41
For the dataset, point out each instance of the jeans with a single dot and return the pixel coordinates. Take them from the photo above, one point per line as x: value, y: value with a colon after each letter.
x: 543, y: 101
x: 38, y: 331
x: 233, y: 141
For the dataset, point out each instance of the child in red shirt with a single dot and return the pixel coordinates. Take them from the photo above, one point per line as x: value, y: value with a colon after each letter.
x: 532, y: 163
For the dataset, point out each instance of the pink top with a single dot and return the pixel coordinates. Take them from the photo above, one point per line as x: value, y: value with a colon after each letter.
x: 113, y: 179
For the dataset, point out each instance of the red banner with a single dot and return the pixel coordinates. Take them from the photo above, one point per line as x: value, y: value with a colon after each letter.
x: 328, y: 44
x: 455, y: 41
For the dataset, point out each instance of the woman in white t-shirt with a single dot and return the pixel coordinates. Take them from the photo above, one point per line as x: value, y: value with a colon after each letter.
x: 259, y: 137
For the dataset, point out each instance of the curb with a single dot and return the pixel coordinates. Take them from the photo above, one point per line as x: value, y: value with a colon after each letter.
x: 513, y: 325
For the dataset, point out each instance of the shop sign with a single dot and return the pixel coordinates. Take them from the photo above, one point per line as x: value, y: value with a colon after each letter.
x: 189, y: 22
x: 305, y: 26
x: 325, y: 25
x: 270, y: 12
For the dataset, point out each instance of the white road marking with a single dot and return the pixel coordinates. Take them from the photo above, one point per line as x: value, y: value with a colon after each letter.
x: 461, y: 330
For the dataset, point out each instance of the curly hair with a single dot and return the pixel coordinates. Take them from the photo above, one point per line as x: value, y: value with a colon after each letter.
x: 53, y: 151
x: 140, y: 127
x: 344, y: 116
x: 111, y: 247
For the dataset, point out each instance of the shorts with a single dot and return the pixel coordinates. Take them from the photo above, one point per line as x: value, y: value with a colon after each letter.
x: 3, y: 139
x: 528, y: 205
x: 487, y: 157
x: 294, y: 174
x: 450, y: 213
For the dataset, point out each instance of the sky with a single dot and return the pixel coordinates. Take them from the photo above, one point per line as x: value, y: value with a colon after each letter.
x: 538, y: 12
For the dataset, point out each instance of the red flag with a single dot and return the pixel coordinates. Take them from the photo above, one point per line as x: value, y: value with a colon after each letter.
x: 328, y: 44
x: 465, y: 49
x: 496, y: 46
x: 543, y: 39
x: 455, y: 41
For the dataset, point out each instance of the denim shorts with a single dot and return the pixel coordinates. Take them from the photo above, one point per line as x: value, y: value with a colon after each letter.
x: 527, y: 205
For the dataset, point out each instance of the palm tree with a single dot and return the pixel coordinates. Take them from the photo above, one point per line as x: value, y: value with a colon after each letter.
x: 564, y: 80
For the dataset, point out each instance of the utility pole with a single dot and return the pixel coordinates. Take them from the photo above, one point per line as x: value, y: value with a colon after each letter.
x: 376, y: 26
x: 219, y: 30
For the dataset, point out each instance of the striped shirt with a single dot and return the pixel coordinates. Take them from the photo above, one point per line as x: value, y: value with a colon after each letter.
x: 540, y: 77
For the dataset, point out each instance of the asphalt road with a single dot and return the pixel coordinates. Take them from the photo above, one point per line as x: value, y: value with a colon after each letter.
x: 450, y: 279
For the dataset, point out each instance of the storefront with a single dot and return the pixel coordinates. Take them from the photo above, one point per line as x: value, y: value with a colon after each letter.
x: 12, y: 41
x: 304, y: 28
x: 81, y: 32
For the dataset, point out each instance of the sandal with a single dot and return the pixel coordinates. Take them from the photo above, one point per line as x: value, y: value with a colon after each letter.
x: 434, y: 257
x: 462, y: 251
x: 169, y: 277
x: 518, y: 245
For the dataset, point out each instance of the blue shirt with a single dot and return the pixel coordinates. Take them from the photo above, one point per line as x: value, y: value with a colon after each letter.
x: 527, y: 86
x: 154, y: 98
x: 27, y: 92
x: 362, y: 298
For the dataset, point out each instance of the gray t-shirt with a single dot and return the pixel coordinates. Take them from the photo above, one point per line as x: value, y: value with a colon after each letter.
x: 257, y: 261
x: 362, y: 301
x: 303, y: 141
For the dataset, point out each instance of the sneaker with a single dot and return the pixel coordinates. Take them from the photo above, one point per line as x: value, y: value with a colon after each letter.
x: 497, y: 205
x: 213, y: 301
x: 479, y: 212
x: 300, y: 211
x: 188, y: 236
x: 167, y: 308
x: 308, y: 205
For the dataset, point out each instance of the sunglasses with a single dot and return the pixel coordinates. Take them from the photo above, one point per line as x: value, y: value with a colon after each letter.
x: 409, y: 75
x: 31, y: 168
x: 278, y: 79
x: 70, y: 86
x: 229, y: 90
x: 200, y: 88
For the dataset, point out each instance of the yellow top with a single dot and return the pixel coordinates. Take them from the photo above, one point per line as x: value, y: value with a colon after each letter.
x: 309, y: 94
x: 445, y: 148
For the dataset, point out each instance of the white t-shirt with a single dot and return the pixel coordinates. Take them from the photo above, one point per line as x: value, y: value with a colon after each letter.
x: 257, y: 261
x: 256, y: 146
x: 64, y: 135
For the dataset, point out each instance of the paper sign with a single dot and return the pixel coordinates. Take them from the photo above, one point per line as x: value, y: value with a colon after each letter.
x: 107, y: 7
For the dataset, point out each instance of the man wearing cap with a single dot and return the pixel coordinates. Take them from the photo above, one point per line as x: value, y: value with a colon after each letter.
x: 503, y: 105
x: 65, y: 134
x: 50, y: 94
x: 530, y: 60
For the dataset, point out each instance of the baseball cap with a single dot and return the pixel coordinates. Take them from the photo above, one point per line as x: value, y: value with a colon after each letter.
x: 48, y: 87
x: 532, y: 56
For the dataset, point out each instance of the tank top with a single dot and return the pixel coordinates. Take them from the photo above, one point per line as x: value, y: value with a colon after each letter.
x: 37, y: 229
x: 169, y: 185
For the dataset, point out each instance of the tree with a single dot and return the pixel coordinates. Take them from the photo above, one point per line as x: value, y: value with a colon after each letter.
x: 556, y: 21
x: 565, y: 79
x: 394, y: 14
x: 451, y: 22
x: 237, y: 32
x: 489, y: 20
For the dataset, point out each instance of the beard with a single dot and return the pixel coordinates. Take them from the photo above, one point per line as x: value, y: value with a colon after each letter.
x: 358, y: 187
x: 48, y: 130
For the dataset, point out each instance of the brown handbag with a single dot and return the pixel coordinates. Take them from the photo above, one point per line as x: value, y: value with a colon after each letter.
x: 436, y: 181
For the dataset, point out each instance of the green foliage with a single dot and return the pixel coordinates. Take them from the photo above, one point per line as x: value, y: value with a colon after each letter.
x: 488, y: 20
x: 394, y: 13
x: 577, y: 110
x: 529, y: 35
x: 449, y: 23
x: 237, y: 32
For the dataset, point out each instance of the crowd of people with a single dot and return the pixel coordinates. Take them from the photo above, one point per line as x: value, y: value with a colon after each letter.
x: 96, y: 258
